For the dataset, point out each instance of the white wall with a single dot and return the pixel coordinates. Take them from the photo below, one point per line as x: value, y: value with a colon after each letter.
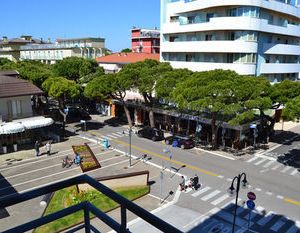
x: 25, y: 106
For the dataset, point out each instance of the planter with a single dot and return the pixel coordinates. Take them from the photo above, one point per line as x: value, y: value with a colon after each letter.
x: 15, y: 147
x: 4, y: 148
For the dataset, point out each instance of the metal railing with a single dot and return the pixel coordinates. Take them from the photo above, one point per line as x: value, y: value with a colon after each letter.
x: 85, y: 206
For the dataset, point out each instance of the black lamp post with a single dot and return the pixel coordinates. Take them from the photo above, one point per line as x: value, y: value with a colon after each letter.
x: 237, y: 189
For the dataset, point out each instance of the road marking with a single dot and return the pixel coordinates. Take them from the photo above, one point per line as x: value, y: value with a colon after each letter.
x: 196, y: 194
x: 211, y: 195
x: 294, y: 228
x: 229, y: 179
x: 294, y: 172
x: 252, y: 159
x: 119, y: 133
x: 267, y: 218
x: 111, y: 136
x: 269, y: 193
x: 261, y: 161
x: 291, y: 201
x: 115, y: 134
x: 268, y: 164
x: 221, y: 177
x: 285, y: 169
x: 275, y: 167
x: 214, y: 153
x: 258, y: 189
x: 278, y: 224
x: 220, y: 199
x: 279, y: 197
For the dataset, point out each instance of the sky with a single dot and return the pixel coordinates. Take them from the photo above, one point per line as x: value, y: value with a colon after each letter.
x: 112, y: 19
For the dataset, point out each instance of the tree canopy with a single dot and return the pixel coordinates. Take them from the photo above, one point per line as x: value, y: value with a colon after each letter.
x: 292, y: 109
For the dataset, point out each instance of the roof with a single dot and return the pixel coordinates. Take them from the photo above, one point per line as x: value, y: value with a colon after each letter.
x: 125, y: 58
x: 9, y: 73
x: 98, y: 39
x: 21, y: 41
x: 12, y: 86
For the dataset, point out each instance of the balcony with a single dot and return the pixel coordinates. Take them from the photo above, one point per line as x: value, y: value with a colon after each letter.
x: 233, y: 23
x: 273, y: 5
x: 218, y: 46
x: 284, y: 49
x: 244, y: 69
x: 86, y: 207
x: 279, y: 68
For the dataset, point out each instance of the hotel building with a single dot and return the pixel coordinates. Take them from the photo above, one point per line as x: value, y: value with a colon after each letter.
x: 251, y: 37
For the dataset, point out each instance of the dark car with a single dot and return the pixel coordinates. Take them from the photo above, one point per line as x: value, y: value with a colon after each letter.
x: 151, y: 133
x: 75, y: 114
x: 180, y: 141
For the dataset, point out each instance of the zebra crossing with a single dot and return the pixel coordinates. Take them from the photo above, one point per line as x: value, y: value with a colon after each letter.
x: 272, y: 164
x: 111, y: 136
x: 260, y: 218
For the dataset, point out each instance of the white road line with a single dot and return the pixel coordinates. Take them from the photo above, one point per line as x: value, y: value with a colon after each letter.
x: 278, y: 224
x: 294, y: 172
x: 196, y: 194
x: 294, y: 228
x: 111, y: 136
x: 229, y: 179
x: 275, y: 167
x: 269, y: 193
x: 279, y: 197
x: 120, y: 133
x: 106, y: 137
x: 188, y: 190
x: 211, y: 195
x: 285, y: 169
x: 220, y: 199
x: 214, y: 153
x: 268, y: 164
x: 258, y: 189
x: 261, y: 161
x: 221, y: 177
x: 252, y: 159
x: 116, y: 134
x: 267, y: 218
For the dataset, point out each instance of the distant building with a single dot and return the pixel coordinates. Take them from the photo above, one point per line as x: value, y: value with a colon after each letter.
x: 10, y: 48
x: 113, y: 63
x: 145, y: 40
x: 62, y: 48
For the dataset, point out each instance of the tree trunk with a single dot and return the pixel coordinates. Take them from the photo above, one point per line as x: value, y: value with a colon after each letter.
x: 151, y: 118
x: 127, y: 115
x: 214, y: 131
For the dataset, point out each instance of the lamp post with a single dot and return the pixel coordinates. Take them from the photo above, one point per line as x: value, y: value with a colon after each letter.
x: 237, y: 189
x: 168, y: 152
x: 129, y: 133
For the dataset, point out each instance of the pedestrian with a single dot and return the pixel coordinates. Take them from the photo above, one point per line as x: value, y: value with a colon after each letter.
x: 182, y: 184
x: 48, y: 147
x: 195, y: 182
x: 77, y: 159
x: 37, y: 148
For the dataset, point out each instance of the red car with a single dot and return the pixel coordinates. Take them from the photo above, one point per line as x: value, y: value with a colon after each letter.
x: 180, y: 141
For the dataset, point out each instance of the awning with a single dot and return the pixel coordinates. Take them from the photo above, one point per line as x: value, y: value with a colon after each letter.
x: 20, y: 125
x: 36, y: 122
x: 11, y: 128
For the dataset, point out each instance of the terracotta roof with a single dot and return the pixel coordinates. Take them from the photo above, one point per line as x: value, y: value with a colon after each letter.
x: 125, y: 58
x: 12, y: 86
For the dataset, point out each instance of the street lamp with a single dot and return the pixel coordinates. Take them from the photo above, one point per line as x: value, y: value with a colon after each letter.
x: 130, y: 131
x: 237, y: 189
x: 167, y: 151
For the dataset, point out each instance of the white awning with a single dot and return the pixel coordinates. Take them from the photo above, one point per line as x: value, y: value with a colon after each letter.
x: 36, y: 122
x: 11, y: 128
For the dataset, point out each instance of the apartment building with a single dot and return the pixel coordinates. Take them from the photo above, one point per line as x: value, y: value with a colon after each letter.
x: 62, y: 48
x: 251, y: 37
x: 10, y: 47
x: 145, y: 40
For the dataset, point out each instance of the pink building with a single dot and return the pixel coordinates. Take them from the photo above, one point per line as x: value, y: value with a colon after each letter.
x: 145, y: 40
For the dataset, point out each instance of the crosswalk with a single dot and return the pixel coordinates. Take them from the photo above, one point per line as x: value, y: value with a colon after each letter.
x: 111, y: 136
x: 260, y: 218
x: 273, y: 165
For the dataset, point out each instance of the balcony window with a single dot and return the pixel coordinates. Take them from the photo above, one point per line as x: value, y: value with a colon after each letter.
x: 174, y: 19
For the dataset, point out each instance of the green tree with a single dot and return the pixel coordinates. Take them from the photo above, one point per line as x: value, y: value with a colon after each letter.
x: 127, y: 50
x: 110, y: 86
x: 74, y: 68
x: 5, y: 62
x: 145, y: 74
x: 292, y: 109
x: 284, y: 91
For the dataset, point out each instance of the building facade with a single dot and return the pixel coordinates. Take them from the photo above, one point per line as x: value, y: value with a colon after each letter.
x: 145, y: 40
x: 10, y: 48
x: 62, y: 48
x: 251, y: 37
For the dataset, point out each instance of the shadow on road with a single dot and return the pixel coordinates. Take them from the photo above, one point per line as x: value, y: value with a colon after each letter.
x: 5, y: 189
x: 291, y: 158
x: 281, y: 137
x: 221, y: 221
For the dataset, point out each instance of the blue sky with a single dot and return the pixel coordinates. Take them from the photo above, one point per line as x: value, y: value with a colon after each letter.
x: 112, y: 19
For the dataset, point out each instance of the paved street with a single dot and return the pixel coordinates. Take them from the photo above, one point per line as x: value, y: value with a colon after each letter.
x: 275, y: 183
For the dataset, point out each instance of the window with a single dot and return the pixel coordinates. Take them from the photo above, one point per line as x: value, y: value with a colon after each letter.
x: 208, y: 37
x: 174, y: 19
x: 16, y: 107
x: 191, y: 19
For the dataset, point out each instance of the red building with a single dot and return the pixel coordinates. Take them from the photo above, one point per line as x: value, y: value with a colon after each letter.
x: 145, y: 40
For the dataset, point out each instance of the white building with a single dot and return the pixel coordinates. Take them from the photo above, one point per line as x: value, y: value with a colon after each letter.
x: 62, y: 48
x: 251, y: 37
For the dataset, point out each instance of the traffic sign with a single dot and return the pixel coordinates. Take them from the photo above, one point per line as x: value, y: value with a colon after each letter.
x: 251, y: 196
x: 250, y: 204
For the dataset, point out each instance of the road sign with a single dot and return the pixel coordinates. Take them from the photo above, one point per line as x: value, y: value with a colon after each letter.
x: 253, y: 126
x: 251, y: 196
x: 250, y: 204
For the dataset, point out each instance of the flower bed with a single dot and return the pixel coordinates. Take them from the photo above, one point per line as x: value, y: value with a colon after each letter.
x: 88, y: 159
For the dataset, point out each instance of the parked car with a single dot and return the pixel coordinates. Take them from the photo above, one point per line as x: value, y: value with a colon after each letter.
x: 75, y: 114
x: 151, y: 133
x: 180, y: 141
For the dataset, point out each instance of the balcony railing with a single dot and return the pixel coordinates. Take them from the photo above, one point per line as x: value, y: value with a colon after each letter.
x: 86, y: 207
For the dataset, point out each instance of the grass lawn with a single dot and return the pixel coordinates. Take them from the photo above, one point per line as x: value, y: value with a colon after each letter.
x: 69, y: 196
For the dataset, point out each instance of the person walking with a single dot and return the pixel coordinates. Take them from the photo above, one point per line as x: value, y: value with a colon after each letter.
x: 182, y: 184
x: 48, y: 147
x: 37, y: 148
